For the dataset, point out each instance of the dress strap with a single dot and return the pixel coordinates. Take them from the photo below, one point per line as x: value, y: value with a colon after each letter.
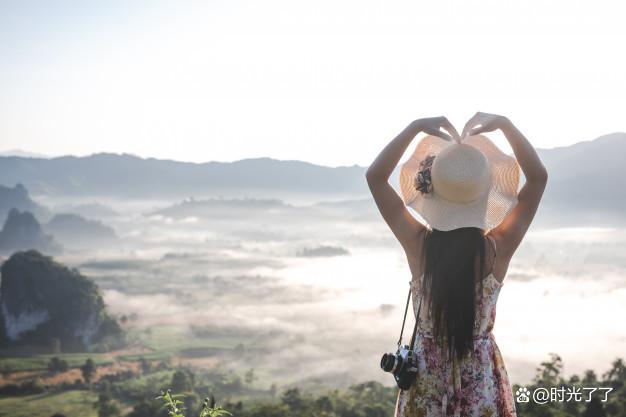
x: 493, y: 240
x: 495, y: 252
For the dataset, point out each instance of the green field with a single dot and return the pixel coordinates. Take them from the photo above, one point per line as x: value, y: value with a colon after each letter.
x: 70, y: 403
x: 164, y: 341
x: 40, y: 362
x: 173, y: 339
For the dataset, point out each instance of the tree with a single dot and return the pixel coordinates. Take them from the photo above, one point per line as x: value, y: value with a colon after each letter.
x: 57, y: 365
x: 249, y: 377
x: 88, y: 370
x: 146, y: 366
x: 182, y: 381
x: 106, y: 406
x: 292, y: 399
x: 594, y: 409
x: 147, y: 408
x: 324, y: 403
x: 269, y: 410
x: 590, y: 377
x: 617, y: 373
x: 549, y: 373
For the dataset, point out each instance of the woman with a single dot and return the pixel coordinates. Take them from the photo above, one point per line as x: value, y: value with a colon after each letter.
x: 465, y: 189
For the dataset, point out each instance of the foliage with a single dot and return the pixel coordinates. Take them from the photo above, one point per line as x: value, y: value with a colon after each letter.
x: 57, y: 365
x: 175, y: 406
x: 183, y: 380
x: 250, y: 377
x: 88, y: 370
x: 549, y: 375
x: 40, y: 362
x: 74, y: 310
x: 106, y: 406
x: 368, y: 399
x: 68, y: 403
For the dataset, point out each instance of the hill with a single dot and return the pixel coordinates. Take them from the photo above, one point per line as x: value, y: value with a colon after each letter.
x: 128, y: 176
x: 42, y: 300
x: 73, y: 229
x: 21, y: 230
x: 18, y: 198
x: 585, y: 178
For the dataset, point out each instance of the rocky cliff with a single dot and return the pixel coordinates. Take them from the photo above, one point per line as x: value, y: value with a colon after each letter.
x: 18, y: 197
x: 21, y: 230
x: 42, y: 300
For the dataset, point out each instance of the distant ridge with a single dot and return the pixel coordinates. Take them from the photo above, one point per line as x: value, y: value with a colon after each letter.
x: 128, y: 176
x: 589, y: 175
x: 22, y: 153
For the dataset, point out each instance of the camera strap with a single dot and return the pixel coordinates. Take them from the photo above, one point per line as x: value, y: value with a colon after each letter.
x: 408, y: 298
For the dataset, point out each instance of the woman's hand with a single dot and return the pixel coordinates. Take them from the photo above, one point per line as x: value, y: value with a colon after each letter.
x: 488, y: 122
x: 431, y: 126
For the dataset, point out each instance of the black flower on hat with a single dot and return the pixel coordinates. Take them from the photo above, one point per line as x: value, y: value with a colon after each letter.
x: 423, y: 183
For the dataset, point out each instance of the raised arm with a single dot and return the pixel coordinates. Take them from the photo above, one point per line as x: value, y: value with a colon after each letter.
x: 511, y: 230
x: 401, y: 222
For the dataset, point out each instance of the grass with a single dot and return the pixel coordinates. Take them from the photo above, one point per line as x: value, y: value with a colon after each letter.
x: 70, y: 403
x: 153, y: 382
x: 40, y: 362
x: 151, y: 356
x: 170, y: 339
x: 164, y: 341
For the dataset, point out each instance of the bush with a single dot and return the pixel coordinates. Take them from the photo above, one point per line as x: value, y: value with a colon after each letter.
x: 57, y: 365
x: 33, y: 386
x: 175, y: 406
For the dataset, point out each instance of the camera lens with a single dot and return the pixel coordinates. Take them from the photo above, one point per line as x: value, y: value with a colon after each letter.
x: 388, y: 361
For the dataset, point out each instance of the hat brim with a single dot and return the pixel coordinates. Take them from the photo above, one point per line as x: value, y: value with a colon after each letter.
x: 486, y: 212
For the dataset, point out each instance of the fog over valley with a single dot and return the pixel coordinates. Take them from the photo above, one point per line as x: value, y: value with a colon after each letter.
x: 300, y: 278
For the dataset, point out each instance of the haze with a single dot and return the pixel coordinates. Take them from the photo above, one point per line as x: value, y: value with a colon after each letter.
x: 324, y: 82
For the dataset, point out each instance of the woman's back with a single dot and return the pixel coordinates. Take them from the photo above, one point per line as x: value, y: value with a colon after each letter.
x: 485, y: 300
x: 476, y: 385
x: 457, y: 182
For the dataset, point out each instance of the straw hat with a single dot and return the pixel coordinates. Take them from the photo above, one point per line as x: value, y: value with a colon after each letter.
x: 467, y: 184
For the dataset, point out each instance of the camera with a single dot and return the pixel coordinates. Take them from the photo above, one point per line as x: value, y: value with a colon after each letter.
x: 403, y: 365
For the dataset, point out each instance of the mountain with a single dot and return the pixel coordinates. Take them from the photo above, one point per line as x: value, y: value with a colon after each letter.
x: 585, y: 179
x: 42, y: 300
x: 18, y: 197
x: 21, y: 230
x: 72, y: 228
x: 225, y: 208
x: 129, y: 176
x: 587, y: 169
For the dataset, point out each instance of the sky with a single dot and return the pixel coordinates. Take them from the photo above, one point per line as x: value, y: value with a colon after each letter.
x: 329, y: 82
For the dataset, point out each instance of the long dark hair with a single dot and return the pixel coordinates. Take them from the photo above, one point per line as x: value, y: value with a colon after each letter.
x: 450, y: 279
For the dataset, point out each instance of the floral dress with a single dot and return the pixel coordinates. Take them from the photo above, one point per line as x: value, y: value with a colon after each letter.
x: 477, y: 386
